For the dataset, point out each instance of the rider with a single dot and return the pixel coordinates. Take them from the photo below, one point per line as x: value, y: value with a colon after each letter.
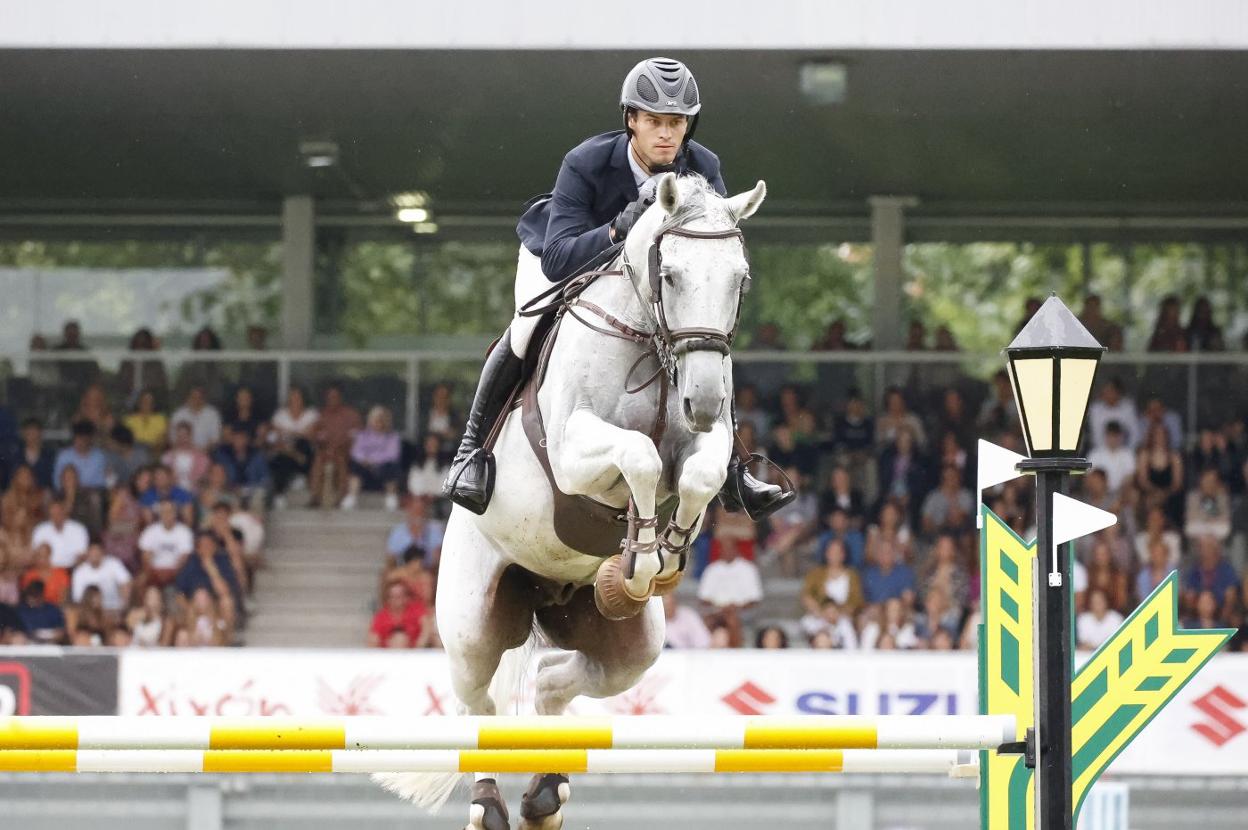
x: 604, y: 185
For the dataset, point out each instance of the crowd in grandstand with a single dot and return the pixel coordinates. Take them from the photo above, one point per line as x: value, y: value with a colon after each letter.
x: 147, y: 525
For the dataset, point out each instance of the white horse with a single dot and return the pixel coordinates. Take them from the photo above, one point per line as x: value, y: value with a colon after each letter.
x: 506, y: 572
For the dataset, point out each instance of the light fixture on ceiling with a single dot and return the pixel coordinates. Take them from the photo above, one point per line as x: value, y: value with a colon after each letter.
x: 318, y: 154
x: 413, y: 208
x: 823, y: 82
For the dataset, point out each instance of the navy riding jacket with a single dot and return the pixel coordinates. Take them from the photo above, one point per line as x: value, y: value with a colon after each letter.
x: 569, y: 227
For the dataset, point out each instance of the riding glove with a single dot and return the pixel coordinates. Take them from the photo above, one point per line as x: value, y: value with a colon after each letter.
x: 623, y: 223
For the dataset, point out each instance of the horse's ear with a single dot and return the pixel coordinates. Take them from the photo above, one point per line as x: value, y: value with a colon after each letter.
x: 668, y: 193
x: 743, y: 205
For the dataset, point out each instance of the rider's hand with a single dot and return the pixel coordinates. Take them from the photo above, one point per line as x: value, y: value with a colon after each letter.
x: 623, y: 223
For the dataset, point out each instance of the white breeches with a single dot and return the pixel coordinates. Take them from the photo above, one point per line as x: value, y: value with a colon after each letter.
x: 530, y: 281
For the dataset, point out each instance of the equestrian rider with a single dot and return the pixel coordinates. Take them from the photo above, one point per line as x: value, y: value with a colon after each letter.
x: 604, y: 185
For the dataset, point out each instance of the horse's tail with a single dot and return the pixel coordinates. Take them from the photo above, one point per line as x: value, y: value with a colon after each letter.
x: 431, y: 790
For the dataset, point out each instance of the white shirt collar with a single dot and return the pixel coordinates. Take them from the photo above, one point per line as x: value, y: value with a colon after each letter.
x: 639, y: 175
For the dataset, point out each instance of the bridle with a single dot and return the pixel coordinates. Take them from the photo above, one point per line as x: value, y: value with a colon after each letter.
x: 667, y: 343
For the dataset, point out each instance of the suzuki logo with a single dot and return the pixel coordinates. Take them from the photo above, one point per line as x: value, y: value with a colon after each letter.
x: 1217, y: 705
x: 748, y: 699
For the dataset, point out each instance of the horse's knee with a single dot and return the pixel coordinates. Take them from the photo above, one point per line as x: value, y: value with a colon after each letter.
x: 641, y: 463
x: 701, y: 478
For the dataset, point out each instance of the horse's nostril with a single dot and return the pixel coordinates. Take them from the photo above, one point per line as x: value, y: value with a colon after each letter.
x: 688, y: 409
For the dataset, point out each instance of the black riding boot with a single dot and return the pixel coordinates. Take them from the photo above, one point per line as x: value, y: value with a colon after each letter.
x: 470, y: 482
x: 742, y: 491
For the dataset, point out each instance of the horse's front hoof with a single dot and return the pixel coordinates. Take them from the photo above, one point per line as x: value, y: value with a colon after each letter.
x: 611, y: 591
x: 542, y: 806
x: 664, y: 585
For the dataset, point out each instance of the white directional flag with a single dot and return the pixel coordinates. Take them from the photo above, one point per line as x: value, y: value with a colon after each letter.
x: 1073, y: 519
x: 996, y: 466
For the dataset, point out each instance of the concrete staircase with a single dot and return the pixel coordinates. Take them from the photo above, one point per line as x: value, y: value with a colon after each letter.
x: 320, y: 583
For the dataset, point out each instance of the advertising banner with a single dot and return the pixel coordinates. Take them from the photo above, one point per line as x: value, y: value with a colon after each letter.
x: 49, y: 681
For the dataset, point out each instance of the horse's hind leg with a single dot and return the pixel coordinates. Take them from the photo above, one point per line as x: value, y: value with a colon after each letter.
x: 484, y: 608
x: 601, y: 658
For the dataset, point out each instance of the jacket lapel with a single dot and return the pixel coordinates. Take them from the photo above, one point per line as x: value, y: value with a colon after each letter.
x: 622, y: 171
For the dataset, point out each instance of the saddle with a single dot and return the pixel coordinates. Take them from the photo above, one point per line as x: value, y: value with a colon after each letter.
x: 583, y: 524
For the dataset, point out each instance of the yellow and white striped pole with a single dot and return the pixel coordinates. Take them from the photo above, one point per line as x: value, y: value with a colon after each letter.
x: 506, y: 733
x: 948, y: 762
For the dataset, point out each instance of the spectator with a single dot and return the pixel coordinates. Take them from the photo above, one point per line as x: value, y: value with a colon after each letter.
x: 1159, y: 474
x: 260, y: 375
x: 43, y: 621
x: 771, y: 637
x: 1156, y: 412
x: 1156, y: 569
x: 1157, y: 529
x: 833, y: 339
x: 887, y: 577
x: 734, y: 529
x: 402, y: 622
x: 939, y: 615
x: 374, y: 461
x: 895, y: 631
x: 916, y: 337
x: 1214, y: 452
x: 125, y: 522
x: 684, y: 627
x: 216, y: 489
x: 290, y: 441
x: 108, y: 575
x: 85, y: 506
x: 441, y: 420
x: 88, y: 623
x: 730, y: 587
x: 1114, y: 457
x: 749, y: 412
x: 1104, y: 330
x: 903, y: 476
x: 209, y: 569
x: 1205, y: 613
x: 66, y: 537
x: 55, y: 581
x: 12, y: 630
x: 425, y: 478
x: 1098, y: 623
x: 74, y: 374
x: 841, y: 529
x: 417, y: 529
x: 1168, y: 334
x: 231, y: 539
x: 15, y: 557
x: 1202, y: 334
x: 334, y: 430
x: 1210, y: 573
x: 242, y: 415
x: 795, y: 415
x: 88, y: 459
x: 187, y: 462
x: 147, y: 622
x: 246, y: 467
x: 853, y: 432
x: 1105, y: 575
x: 1111, y: 407
x: 21, y: 508
x: 1208, y: 511
x: 954, y: 418
x: 946, y: 572
x: 163, y: 488
x: 203, y: 417
x: 890, y: 528
x: 138, y: 375
x: 833, y: 627
x: 204, y: 373
x: 94, y: 409
x: 164, y: 546
x: 898, y: 418
x: 125, y: 457
x: 950, y: 507
x: 35, y: 454
x: 149, y: 425
x: 792, y: 526
x: 834, y: 581
x: 203, y: 622
x: 999, y: 412
x: 842, y: 495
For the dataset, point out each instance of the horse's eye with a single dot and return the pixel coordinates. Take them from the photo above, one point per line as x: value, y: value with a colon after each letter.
x: 746, y: 282
x: 668, y: 277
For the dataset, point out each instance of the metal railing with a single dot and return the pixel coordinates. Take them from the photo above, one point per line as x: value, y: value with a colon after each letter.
x: 1205, y: 388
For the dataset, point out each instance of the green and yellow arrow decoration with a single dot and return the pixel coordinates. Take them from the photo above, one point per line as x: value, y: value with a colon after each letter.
x: 1114, y: 695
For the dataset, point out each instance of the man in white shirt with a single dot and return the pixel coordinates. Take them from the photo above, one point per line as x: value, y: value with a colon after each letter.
x: 1114, y: 457
x: 164, y: 546
x: 1112, y: 406
x: 66, y: 537
x: 1098, y: 623
x: 203, y: 417
x: 730, y: 582
x: 106, y: 573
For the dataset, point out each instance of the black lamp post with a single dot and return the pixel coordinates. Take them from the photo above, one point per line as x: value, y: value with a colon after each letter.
x: 1052, y: 363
